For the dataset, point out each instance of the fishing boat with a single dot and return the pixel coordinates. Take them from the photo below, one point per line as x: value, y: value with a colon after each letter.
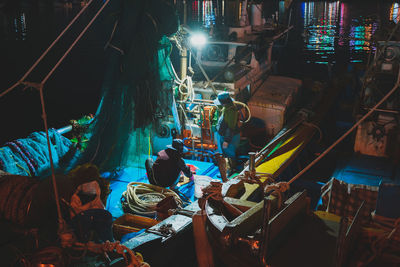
x: 48, y: 151
x: 241, y: 222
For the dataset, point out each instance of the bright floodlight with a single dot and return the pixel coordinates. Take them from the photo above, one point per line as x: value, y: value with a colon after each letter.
x: 198, y: 40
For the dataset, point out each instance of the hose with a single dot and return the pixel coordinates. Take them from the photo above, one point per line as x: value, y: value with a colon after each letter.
x: 141, y: 198
x: 246, y: 107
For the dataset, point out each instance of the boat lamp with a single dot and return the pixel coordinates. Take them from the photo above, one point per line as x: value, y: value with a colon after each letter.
x: 198, y: 40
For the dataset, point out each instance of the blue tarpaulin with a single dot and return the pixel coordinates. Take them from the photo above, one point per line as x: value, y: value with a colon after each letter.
x: 120, y: 180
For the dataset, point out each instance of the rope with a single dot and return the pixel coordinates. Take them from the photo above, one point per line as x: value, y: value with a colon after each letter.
x: 189, y: 88
x: 143, y: 198
x: 203, y: 71
x: 47, y: 50
x: 212, y: 191
x: 53, y: 177
x: 76, y: 40
x: 349, y: 131
x: 39, y: 87
x: 149, y: 154
x: 277, y: 190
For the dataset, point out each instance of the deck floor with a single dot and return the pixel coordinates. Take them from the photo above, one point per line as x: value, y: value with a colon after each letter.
x: 120, y: 180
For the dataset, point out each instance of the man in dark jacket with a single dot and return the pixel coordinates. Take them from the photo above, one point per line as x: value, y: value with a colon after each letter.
x: 166, y: 169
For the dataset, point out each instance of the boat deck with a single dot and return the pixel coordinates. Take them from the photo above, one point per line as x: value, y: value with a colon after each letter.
x: 150, y: 242
x: 120, y: 180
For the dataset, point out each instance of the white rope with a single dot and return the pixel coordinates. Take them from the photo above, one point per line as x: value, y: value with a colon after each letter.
x: 143, y: 198
x: 188, y: 84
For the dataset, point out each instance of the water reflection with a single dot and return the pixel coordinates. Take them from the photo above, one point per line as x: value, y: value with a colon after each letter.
x: 326, y: 22
x: 320, y: 25
x: 394, y: 12
x: 360, y: 37
x: 13, y: 26
x: 327, y: 26
x: 20, y: 26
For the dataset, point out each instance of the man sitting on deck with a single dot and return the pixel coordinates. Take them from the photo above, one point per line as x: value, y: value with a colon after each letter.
x: 165, y: 171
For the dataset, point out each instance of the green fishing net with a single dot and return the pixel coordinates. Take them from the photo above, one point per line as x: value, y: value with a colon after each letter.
x: 137, y: 87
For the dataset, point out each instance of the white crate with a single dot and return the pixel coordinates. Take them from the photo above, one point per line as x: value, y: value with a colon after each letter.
x: 271, y: 101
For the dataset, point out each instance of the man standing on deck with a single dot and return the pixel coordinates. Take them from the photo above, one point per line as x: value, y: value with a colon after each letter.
x: 165, y: 171
x: 228, y: 133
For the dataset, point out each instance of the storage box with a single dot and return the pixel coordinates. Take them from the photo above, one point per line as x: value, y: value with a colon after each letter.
x: 377, y: 138
x: 129, y: 223
x: 272, y: 100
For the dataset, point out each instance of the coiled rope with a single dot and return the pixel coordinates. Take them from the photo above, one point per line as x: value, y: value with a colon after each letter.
x: 141, y: 198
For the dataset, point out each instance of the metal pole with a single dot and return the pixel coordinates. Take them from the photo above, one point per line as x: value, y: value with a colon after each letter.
x: 183, y: 70
x: 184, y: 50
x: 252, y: 162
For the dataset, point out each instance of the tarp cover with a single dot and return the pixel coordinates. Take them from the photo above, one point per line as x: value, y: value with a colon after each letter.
x: 30, y: 156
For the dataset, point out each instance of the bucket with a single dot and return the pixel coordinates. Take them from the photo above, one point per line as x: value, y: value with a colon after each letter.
x: 200, y: 182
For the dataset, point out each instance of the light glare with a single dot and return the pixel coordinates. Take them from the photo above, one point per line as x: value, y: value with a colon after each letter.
x: 198, y: 40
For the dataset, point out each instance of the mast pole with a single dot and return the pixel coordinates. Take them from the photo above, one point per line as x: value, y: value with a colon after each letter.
x: 184, y: 50
x: 183, y: 62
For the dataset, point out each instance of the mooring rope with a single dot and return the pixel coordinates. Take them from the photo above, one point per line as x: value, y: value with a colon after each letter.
x: 76, y: 40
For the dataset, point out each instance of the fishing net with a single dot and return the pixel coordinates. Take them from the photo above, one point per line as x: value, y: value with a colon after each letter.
x: 137, y: 87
